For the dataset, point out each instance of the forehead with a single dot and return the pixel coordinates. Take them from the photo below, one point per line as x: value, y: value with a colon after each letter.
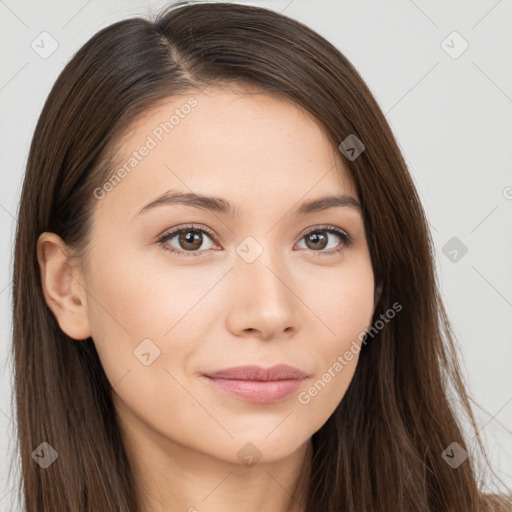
x: 229, y: 143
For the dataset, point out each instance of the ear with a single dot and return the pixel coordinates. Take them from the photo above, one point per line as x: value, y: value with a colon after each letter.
x: 62, y: 286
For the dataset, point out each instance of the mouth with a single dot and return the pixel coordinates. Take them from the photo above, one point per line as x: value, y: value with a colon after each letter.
x: 256, y: 384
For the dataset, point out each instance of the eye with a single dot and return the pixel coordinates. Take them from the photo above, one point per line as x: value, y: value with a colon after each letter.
x: 188, y: 238
x: 318, y: 239
x: 191, y: 238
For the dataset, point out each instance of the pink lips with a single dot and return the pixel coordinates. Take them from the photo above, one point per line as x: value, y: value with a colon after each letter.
x: 256, y: 384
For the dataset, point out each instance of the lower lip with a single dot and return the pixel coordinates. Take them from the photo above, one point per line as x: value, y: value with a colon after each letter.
x: 262, y: 392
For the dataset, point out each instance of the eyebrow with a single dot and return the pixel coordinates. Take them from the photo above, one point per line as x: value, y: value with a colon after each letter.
x: 222, y: 206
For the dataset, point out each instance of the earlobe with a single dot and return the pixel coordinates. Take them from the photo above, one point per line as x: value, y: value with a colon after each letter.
x: 62, y: 287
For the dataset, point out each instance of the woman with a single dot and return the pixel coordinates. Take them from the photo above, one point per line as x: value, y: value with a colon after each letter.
x: 224, y: 294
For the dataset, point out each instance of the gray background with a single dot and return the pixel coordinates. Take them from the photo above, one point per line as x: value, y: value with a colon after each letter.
x: 451, y: 116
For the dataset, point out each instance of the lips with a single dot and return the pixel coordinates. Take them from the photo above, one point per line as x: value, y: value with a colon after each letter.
x: 278, y: 372
x: 256, y: 384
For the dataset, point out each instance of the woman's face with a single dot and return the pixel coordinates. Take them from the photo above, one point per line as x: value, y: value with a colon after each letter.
x: 244, y: 287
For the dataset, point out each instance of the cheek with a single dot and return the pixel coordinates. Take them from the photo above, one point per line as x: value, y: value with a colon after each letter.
x: 345, y: 307
x: 135, y: 298
x: 141, y: 332
x: 147, y: 313
x: 342, y: 302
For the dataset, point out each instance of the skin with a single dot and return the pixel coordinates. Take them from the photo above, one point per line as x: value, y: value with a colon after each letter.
x: 291, y: 305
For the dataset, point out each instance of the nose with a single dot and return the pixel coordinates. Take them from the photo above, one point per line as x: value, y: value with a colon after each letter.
x: 262, y: 300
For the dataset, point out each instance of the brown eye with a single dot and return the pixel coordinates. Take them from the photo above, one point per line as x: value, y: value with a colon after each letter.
x: 316, y: 241
x: 319, y: 239
x: 189, y: 241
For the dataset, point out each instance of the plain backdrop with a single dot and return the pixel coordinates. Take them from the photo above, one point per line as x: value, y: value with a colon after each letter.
x: 448, y: 99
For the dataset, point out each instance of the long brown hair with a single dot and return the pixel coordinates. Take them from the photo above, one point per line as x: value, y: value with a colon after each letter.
x: 382, y: 447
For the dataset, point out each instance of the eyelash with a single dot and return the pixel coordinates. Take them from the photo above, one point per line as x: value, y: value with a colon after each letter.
x: 346, y: 238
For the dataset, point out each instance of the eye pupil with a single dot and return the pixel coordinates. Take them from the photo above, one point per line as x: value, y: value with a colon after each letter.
x: 314, y: 237
x: 194, y: 238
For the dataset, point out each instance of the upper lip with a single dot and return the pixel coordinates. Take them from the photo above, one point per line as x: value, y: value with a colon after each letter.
x: 251, y: 372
